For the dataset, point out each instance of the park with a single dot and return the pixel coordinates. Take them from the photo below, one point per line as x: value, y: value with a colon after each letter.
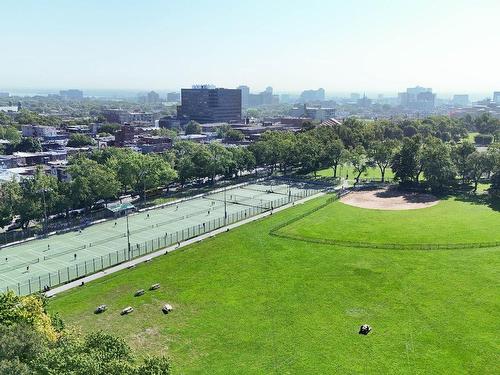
x: 288, y: 293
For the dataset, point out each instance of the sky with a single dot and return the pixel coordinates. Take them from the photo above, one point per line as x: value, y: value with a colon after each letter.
x: 343, y: 46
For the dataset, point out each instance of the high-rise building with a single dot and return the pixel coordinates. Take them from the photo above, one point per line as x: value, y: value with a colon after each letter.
x: 355, y: 96
x: 312, y: 96
x: 209, y: 105
x: 418, y: 98
x: 71, y: 94
x: 460, y: 100
x: 153, y: 97
x: 496, y: 97
x: 245, y: 95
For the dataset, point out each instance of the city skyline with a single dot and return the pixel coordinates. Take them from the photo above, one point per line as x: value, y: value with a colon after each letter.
x: 374, y: 47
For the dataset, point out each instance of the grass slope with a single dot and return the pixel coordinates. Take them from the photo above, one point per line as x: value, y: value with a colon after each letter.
x: 449, y: 222
x: 250, y: 303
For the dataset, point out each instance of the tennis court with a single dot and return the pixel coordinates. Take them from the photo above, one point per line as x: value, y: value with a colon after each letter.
x: 33, y: 265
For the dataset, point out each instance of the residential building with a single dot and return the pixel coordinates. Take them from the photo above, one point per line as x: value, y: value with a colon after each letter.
x: 203, y: 104
x: 38, y: 131
x: 4, y: 94
x: 121, y: 117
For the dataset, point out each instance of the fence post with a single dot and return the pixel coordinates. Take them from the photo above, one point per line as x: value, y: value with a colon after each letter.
x: 67, y: 269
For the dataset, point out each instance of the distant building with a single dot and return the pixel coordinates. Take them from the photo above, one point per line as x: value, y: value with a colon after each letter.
x: 9, y: 109
x: 206, y: 105
x: 121, y: 117
x: 169, y: 122
x: 4, y: 94
x: 461, y: 100
x: 245, y: 94
x: 153, y: 97
x: 496, y: 97
x: 71, y: 94
x: 355, y: 96
x: 315, y: 113
x: 418, y: 98
x: 173, y: 97
x: 312, y: 96
x: 38, y: 131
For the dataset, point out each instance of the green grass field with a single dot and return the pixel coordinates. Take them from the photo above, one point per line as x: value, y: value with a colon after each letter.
x: 449, y: 222
x: 247, y: 302
x: 371, y: 173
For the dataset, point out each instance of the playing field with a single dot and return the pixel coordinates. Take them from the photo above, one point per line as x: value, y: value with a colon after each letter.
x: 29, y: 266
x: 247, y: 302
x: 450, y: 222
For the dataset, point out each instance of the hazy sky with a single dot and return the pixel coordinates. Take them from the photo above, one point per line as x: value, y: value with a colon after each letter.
x: 363, y: 45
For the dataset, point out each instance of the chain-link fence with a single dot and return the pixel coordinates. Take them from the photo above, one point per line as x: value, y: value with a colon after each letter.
x: 78, y: 270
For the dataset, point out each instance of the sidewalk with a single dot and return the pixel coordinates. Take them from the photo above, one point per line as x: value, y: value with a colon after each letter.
x: 148, y: 257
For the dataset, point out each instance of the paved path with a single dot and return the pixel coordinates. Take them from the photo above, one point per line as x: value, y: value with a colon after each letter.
x: 148, y: 257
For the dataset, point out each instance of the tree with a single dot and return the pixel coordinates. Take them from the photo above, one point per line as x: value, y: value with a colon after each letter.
x: 28, y: 145
x: 459, y: 155
x: 91, y: 182
x: 31, y: 343
x: 406, y: 163
x: 359, y: 161
x: 382, y: 154
x: 193, y: 127
x: 80, y: 140
x: 10, y: 133
x: 477, y: 164
x: 308, y: 150
x: 110, y: 128
x: 10, y: 196
x: 437, y: 165
x: 38, y: 197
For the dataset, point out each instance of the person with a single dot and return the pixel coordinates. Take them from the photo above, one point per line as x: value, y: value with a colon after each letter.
x: 147, y: 216
x: 115, y: 223
x: 178, y: 244
x: 176, y: 207
x: 74, y: 257
x: 48, y: 247
x: 27, y: 268
x: 6, y: 259
x: 80, y: 231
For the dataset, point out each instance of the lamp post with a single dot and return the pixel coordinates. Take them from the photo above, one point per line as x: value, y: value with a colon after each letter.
x: 43, y: 191
x: 225, y: 207
x: 128, y: 238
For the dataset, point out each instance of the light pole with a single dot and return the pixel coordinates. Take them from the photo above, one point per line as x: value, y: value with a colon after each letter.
x: 43, y: 191
x: 225, y: 207
x: 128, y: 238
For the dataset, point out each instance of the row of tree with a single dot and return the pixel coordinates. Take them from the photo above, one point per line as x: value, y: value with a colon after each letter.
x: 429, y: 151
x: 32, y: 341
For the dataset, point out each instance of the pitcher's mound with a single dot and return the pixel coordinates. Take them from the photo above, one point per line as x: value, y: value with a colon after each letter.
x: 389, y: 199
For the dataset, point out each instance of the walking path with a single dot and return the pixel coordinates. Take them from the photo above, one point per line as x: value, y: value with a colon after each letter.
x: 148, y: 257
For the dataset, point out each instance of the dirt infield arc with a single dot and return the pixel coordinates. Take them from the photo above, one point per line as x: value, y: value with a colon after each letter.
x: 389, y: 198
x: 278, y: 231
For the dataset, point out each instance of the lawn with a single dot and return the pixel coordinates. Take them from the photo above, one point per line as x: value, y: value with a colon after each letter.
x: 346, y: 170
x: 449, y: 222
x: 247, y: 302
